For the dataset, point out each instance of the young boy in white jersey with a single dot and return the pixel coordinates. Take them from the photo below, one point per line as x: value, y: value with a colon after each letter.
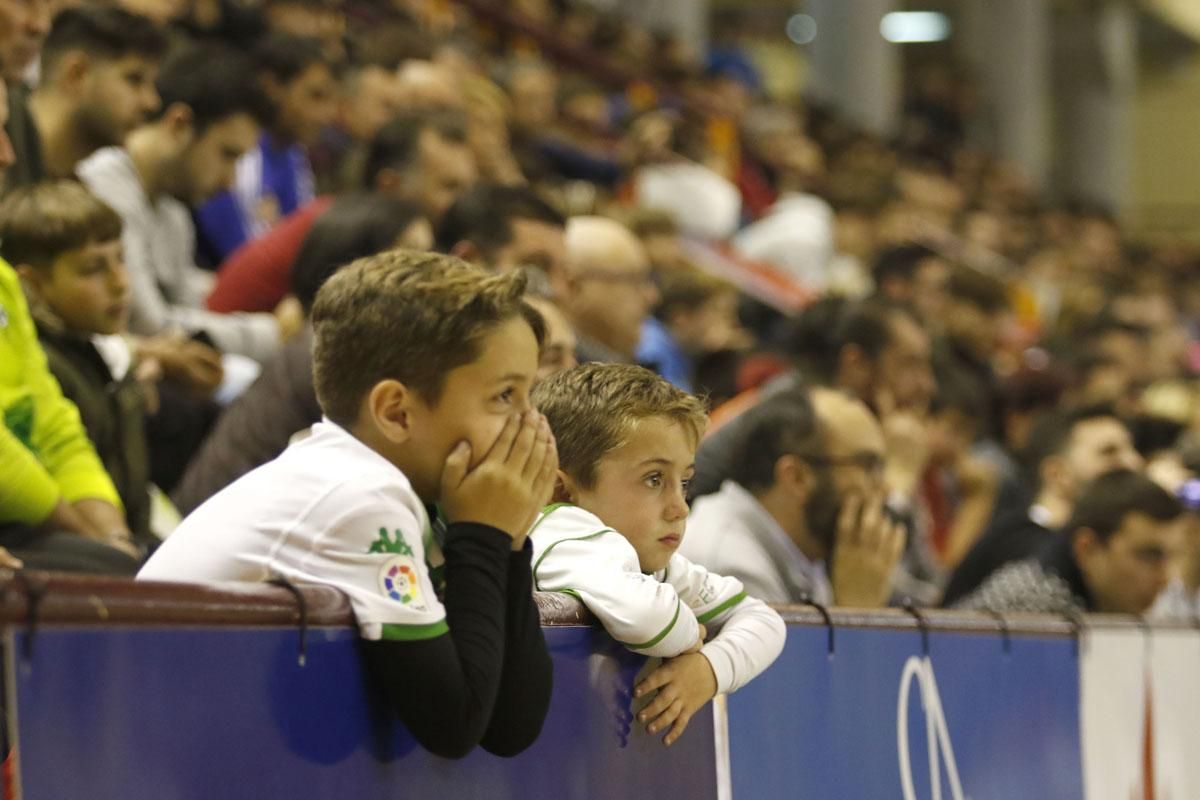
x: 423, y: 367
x: 626, y: 442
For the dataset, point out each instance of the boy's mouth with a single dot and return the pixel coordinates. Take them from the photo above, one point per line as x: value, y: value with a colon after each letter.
x: 671, y: 539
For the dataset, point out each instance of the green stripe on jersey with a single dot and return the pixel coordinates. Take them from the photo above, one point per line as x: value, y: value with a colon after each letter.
x: 546, y: 512
x: 661, y: 634
x: 542, y: 558
x: 728, y: 604
x: 412, y: 633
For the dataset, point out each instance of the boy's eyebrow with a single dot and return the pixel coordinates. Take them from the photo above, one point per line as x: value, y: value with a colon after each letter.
x: 512, y: 376
x: 666, y: 462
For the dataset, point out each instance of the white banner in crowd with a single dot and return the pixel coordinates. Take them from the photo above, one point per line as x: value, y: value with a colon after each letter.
x: 1139, y: 707
x: 1175, y: 666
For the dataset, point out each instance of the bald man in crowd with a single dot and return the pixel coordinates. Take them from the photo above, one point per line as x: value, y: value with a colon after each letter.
x: 611, y: 289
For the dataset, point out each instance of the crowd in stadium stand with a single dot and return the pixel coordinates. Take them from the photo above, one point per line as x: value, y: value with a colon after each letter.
x: 928, y: 383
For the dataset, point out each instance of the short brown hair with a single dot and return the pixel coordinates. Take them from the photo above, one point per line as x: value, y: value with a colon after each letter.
x: 688, y: 290
x: 39, y: 223
x: 593, y: 408
x: 408, y: 316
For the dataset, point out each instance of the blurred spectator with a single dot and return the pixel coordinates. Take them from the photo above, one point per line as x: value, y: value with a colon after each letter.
x: 611, y: 288
x: 1067, y: 450
x: 370, y: 96
x: 320, y: 20
x: 421, y: 158
x: 23, y: 27
x: 975, y: 317
x: 801, y: 516
x: 1113, y: 556
x: 1181, y: 599
x: 208, y: 119
x: 505, y: 228
x: 558, y: 350
x: 914, y: 274
x: 959, y: 487
x: 696, y: 316
x: 97, y: 84
x: 797, y: 231
x: 275, y: 178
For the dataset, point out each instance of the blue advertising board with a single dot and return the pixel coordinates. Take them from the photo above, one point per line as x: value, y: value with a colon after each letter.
x: 181, y: 713
x: 880, y: 718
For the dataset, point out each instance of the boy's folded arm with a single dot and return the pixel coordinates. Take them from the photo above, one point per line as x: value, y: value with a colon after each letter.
x: 637, y: 610
x: 523, y: 698
x: 444, y: 688
x: 749, y: 634
x: 751, y: 638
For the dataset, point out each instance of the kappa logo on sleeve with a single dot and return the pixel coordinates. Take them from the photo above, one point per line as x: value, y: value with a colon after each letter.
x: 399, y: 577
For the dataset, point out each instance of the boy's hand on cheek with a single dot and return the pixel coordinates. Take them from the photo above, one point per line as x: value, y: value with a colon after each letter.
x: 684, y: 683
x: 510, y: 485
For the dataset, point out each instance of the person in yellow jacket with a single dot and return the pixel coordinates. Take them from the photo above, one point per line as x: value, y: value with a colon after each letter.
x: 58, y: 507
x: 54, y: 492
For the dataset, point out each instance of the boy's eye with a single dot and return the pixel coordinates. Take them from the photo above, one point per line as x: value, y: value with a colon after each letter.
x: 506, y: 396
x: 654, y: 480
x: 685, y: 483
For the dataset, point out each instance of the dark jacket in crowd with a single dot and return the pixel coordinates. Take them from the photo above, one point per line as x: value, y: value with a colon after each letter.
x: 257, y: 426
x: 1011, y: 537
x: 1048, y: 583
x: 113, y: 413
x: 28, y: 167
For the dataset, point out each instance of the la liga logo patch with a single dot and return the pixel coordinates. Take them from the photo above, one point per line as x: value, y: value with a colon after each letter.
x: 400, y: 581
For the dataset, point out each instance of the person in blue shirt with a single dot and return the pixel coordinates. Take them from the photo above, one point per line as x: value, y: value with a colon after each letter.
x: 275, y: 178
x: 696, y: 316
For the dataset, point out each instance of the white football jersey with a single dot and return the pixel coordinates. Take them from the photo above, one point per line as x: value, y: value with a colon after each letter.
x: 660, y: 614
x: 329, y: 510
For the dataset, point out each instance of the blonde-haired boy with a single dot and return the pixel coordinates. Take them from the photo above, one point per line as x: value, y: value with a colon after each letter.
x: 627, y: 441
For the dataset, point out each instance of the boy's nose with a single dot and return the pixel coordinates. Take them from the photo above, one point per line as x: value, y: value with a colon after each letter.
x: 677, y: 507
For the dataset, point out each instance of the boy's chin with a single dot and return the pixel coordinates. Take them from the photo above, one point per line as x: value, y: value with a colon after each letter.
x: 652, y: 565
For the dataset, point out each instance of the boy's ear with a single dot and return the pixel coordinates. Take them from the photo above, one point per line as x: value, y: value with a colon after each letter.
x: 389, y: 407
x: 31, y: 277
x: 73, y: 70
x: 179, y: 121
x: 1084, y: 544
x: 565, y: 490
x: 389, y: 181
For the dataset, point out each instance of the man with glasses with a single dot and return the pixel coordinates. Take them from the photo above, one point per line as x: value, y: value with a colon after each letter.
x: 802, y: 515
x: 611, y: 289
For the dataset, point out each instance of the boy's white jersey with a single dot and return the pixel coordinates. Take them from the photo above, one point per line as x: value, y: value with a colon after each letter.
x: 329, y: 510
x: 660, y: 614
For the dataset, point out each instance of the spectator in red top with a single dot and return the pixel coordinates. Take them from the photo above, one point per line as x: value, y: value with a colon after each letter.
x: 423, y: 158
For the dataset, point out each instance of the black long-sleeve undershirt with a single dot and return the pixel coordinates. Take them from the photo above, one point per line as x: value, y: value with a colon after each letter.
x: 525, y: 686
x: 446, y: 689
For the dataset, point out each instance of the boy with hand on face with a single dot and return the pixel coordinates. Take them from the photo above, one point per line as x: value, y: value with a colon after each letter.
x: 627, y: 442
x: 423, y: 367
